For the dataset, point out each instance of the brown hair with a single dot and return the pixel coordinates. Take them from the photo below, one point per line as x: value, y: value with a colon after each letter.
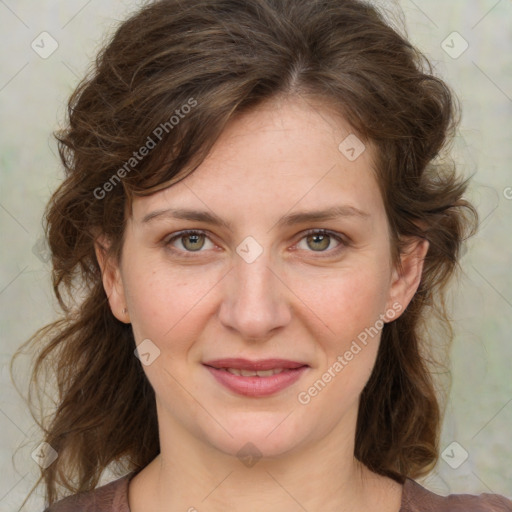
x: 221, y: 58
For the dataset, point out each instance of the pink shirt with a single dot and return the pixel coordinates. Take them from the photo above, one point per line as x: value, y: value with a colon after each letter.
x: 113, y: 497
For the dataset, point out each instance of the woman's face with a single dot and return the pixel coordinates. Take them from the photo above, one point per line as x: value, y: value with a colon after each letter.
x: 255, y: 283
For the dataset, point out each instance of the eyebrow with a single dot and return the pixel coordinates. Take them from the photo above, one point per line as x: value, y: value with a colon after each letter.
x: 288, y: 220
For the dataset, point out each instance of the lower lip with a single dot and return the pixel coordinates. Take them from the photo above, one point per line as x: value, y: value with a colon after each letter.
x: 257, y: 386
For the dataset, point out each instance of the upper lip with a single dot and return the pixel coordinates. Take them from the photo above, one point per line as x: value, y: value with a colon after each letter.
x: 255, y: 365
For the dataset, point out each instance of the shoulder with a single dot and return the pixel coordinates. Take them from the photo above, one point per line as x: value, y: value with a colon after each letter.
x: 416, y: 498
x: 111, y: 497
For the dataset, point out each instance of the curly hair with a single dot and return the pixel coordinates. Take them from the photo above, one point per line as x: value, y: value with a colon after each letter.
x: 204, y: 62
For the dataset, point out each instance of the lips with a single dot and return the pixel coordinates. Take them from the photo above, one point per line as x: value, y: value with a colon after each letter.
x: 256, y: 378
x: 261, y: 364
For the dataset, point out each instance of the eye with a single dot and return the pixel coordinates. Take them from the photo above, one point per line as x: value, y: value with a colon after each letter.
x: 191, y: 240
x: 319, y: 240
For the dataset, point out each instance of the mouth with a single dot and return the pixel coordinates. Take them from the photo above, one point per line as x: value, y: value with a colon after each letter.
x: 255, y: 366
x: 253, y: 373
x: 259, y: 378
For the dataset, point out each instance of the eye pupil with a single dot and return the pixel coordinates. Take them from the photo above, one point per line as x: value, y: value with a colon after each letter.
x: 323, y: 238
x: 194, y: 237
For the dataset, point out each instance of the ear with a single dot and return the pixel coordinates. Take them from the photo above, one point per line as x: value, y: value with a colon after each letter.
x: 407, y: 276
x: 112, y: 281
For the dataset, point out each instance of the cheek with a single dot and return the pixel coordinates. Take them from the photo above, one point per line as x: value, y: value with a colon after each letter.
x: 162, y: 300
x: 348, y: 300
x: 350, y: 306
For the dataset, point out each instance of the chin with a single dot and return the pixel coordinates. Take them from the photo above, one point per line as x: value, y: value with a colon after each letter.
x: 257, y: 435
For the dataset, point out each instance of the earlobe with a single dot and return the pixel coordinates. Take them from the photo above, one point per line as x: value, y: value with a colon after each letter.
x: 112, y: 280
x: 407, y: 278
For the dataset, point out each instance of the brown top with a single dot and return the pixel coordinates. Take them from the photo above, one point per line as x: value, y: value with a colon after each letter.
x: 113, y: 497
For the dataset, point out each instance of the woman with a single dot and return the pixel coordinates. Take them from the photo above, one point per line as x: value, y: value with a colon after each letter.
x: 259, y: 226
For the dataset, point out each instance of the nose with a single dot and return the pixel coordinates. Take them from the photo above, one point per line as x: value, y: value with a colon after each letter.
x: 255, y: 302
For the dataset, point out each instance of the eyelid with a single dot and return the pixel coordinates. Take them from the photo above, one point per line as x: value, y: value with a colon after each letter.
x: 342, y: 239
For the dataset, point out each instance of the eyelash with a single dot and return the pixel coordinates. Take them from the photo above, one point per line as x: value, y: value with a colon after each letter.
x: 190, y: 254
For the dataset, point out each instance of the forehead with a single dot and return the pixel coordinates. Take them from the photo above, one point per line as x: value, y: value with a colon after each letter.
x: 282, y: 154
